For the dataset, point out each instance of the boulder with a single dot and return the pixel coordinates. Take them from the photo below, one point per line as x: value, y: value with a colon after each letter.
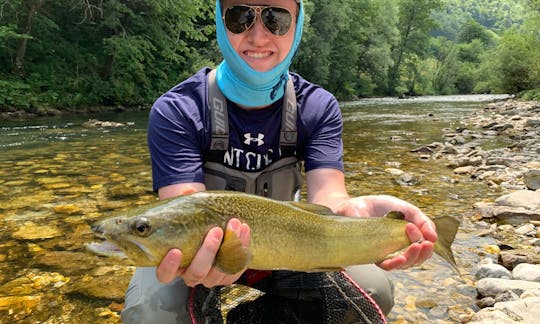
x: 526, y: 271
x: 521, y: 198
x: 519, y: 311
x: 532, y: 179
x: 512, y: 258
x: 491, y: 287
x: 508, y: 215
x: 493, y: 271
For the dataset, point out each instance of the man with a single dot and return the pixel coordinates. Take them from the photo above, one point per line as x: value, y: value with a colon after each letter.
x: 258, y: 40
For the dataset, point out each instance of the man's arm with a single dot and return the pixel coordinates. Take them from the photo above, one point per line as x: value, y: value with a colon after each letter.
x: 327, y: 187
x: 180, y: 189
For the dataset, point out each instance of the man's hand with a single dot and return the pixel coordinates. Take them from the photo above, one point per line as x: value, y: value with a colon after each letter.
x: 421, y: 230
x: 201, y: 270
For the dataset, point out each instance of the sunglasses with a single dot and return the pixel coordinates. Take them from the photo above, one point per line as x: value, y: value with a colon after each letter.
x: 241, y: 18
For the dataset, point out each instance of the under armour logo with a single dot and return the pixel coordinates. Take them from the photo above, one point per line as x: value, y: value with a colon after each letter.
x: 250, y: 139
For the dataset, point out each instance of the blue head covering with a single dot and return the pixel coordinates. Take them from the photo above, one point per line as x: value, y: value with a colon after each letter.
x: 242, y: 84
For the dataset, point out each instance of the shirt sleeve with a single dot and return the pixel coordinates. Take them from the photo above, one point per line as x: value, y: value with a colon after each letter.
x: 175, y: 134
x: 324, y: 127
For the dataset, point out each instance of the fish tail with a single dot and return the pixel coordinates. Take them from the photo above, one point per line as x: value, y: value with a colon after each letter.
x: 447, y: 228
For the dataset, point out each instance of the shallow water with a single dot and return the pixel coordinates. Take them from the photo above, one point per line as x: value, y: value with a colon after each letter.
x: 57, y: 177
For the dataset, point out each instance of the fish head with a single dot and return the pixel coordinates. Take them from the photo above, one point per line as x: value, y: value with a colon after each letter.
x: 133, y: 235
x: 146, y: 234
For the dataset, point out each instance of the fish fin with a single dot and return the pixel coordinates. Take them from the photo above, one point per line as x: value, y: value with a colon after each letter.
x: 447, y: 228
x: 232, y: 256
x: 395, y: 215
x: 312, y: 208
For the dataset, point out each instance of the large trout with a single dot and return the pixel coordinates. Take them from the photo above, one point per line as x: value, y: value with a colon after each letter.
x: 284, y: 235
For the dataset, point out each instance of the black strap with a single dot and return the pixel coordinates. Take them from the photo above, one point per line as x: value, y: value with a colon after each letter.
x: 218, y: 114
x: 220, y: 120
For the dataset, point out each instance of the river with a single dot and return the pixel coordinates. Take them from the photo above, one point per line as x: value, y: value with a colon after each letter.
x: 57, y: 177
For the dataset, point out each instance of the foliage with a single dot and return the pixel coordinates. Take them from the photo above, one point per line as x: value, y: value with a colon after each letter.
x: 414, y: 23
x: 533, y: 94
x: 106, y: 52
x: 76, y: 53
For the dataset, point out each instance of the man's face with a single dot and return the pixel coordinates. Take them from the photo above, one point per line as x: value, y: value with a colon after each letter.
x: 257, y: 46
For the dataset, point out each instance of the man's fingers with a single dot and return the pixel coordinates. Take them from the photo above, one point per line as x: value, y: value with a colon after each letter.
x: 411, y: 255
x: 426, y: 252
x: 428, y: 231
x: 201, y: 270
x: 204, y: 259
x: 415, y: 255
x: 245, y: 235
x: 393, y: 263
x: 413, y: 233
x: 168, y: 268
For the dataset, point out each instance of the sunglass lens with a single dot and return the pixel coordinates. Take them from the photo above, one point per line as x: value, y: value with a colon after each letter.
x: 239, y: 18
x: 276, y: 20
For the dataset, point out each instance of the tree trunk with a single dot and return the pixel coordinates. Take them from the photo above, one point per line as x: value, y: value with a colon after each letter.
x: 25, y: 28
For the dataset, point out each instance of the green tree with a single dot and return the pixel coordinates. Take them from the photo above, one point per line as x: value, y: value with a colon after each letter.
x: 414, y: 24
x: 514, y: 65
x: 111, y: 52
x: 510, y: 64
x: 444, y: 65
x: 72, y: 53
x: 375, y: 27
x: 326, y: 20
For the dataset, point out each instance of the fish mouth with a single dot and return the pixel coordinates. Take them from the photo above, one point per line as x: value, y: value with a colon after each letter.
x: 142, y: 250
x: 120, y: 249
x: 127, y: 249
x: 98, y: 230
x: 106, y: 248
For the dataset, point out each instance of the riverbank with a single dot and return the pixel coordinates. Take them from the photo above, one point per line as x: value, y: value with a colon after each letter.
x: 11, y: 114
x: 500, y: 147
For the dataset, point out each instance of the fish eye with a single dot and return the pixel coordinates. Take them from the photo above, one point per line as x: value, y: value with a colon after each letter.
x: 141, y: 227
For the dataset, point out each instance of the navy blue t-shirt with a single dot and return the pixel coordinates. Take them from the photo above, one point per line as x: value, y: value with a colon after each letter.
x: 179, y: 132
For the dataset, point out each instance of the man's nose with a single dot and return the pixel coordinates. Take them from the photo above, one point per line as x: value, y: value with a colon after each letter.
x: 258, y: 30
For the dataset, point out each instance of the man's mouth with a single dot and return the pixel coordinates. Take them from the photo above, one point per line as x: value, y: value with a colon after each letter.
x: 257, y: 55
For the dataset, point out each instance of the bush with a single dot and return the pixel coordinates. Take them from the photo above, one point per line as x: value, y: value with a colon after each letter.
x: 16, y: 94
x: 533, y: 94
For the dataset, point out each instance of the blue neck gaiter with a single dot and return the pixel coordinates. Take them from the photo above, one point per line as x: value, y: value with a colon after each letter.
x: 242, y: 84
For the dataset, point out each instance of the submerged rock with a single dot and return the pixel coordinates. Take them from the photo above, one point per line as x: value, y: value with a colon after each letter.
x: 104, y: 282
x: 33, y: 231
x: 66, y: 261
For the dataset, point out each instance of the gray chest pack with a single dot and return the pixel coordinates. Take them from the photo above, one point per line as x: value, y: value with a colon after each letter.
x: 280, y: 180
